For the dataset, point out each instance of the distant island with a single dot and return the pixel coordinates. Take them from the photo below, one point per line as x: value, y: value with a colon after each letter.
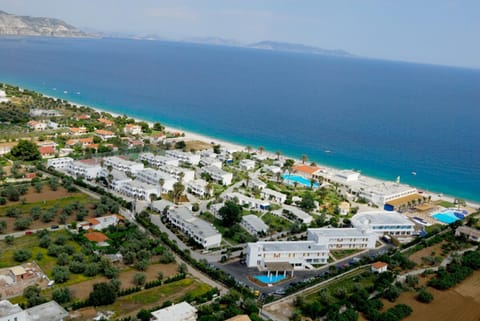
x: 13, y: 25
x: 294, y: 47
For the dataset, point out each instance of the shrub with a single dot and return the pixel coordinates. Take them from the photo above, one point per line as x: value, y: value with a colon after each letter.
x: 60, y: 274
x: 424, y: 296
x: 22, y: 255
x: 61, y: 295
x: 139, y: 279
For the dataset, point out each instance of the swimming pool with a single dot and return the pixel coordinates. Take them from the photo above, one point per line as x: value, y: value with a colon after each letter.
x: 290, y: 179
x: 272, y: 279
x: 448, y: 216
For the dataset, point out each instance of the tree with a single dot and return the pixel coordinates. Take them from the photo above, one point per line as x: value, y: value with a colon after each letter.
x: 139, y: 279
x: 9, y: 239
x: 38, y: 187
x: 25, y: 150
x: 178, y: 189
x: 60, y: 274
x: 278, y: 153
x: 33, y: 296
x: 158, y: 127
x: 180, y: 145
x: 62, y: 295
x: 304, y: 158
x: 182, y: 268
x: 22, y: 255
x: 308, y: 201
x: 231, y: 213
x: 53, y: 183
x: 22, y: 223
x: 3, y: 226
x: 424, y: 296
x: 102, y: 294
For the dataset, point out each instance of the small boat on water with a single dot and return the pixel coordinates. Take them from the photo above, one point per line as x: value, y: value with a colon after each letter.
x: 65, y: 92
x: 414, y: 173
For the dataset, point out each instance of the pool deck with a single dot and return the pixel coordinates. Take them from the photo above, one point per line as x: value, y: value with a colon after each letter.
x: 427, y: 215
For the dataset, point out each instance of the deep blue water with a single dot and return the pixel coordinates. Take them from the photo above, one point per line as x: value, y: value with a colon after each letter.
x: 384, y: 118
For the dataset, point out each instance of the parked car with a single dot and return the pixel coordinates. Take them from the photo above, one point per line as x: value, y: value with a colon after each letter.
x: 28, y: 232
x: 54, y: 227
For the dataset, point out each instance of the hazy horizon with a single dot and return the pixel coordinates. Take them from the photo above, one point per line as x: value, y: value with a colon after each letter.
x: 432, y: 32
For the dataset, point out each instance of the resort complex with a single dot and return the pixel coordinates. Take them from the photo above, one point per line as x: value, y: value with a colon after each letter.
x: 119, y: 219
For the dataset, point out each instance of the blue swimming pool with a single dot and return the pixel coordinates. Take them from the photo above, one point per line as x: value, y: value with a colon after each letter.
x: 290, y: 179
x: 272, y: 279
x: 448, y: 216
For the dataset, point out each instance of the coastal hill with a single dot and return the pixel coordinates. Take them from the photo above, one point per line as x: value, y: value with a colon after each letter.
x: 294, y: 47
x: 13, y: 25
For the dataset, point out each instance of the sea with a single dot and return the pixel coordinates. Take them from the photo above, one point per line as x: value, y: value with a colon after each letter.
x: 386, y: 119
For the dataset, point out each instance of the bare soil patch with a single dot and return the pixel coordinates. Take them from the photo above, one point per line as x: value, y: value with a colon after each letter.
x: 436, y: 250
x: 197, y: 145
x: 458, y: 304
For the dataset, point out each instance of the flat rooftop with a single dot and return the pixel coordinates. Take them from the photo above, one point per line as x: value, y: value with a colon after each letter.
x: 292, y: 246
x: 380, y: 218
x: 7, y: 308
x: 50, y: 311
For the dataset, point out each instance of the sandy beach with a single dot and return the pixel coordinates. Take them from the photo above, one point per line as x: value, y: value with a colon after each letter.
x: 189, y: 135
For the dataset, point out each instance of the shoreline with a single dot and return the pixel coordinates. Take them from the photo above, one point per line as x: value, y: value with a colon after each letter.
x: 190, y: 135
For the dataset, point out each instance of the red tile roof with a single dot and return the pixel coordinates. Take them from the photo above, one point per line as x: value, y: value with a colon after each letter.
x: 46, y: 150
x: 379, y: 265
x: 306, y: 169
x: 96, y: 237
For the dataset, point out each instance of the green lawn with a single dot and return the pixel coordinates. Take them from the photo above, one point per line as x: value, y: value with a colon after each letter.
x: 277, y: 223
x: 445, y: 204
x: 59, y: 203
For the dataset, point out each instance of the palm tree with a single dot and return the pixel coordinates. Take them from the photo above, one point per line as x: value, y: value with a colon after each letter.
x: 278, y: 153
x: 279, y: 177
x: 304, y: 158
x: 181, y: 175
x: 161, y: 182
x: 178, y: 189
x: 248, y: 148
x: 209, y: 188
x: 313, y: 181
x: 261, y: 149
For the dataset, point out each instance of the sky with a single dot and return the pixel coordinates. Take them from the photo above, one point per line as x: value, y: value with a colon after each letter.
x: 444, y: 32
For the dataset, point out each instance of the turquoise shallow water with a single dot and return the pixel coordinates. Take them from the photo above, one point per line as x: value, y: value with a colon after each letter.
x: 386, y: 119
x: 290, y: 178
x: 272, y: 279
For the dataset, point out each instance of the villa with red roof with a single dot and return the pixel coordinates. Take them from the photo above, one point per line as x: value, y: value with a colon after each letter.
x: 96, y: 237
x: 306, y: 170
x: 77, y: 131
x: 86, y: 142
x: 105, y: 134
x: 379, y: 267
x: 36, y: 125
x: 106, y: 122
x: 47, y: 151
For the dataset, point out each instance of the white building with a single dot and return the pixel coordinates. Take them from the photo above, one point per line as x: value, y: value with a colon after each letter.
x: 343, y: 238
x: 300, y: 254
x: 115, y: 178
x: 87, y: 168
x: 139, y: 190
x: 157, y: 160
x: 199, y: 230
x: 132, y: 129
x: 59, y: 163
x: 3, y: 97
x: 251, y: 202
x: 36, y: 125
x: 176, y: 172
x: 184, y: 157
x: 344, y: 208
x: 274, y: 196
x: 383, y: 222
x: 35, y: 112
x: 247, y: 164
x: 122, y: 164
x: 255, y: 183
x: 49, y: 311
x: 100, y: 223
x: 199, y: 187
x: 470, y: 233
x: 218, y: 174
x: 153, y: 177
x: 177, y: 312
x: 379, y: 267
x: 292, y: 212
x: 210, y: 161
x: 253, y: 224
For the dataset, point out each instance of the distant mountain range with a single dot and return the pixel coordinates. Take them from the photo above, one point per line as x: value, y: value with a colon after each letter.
x: 13, y: 25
